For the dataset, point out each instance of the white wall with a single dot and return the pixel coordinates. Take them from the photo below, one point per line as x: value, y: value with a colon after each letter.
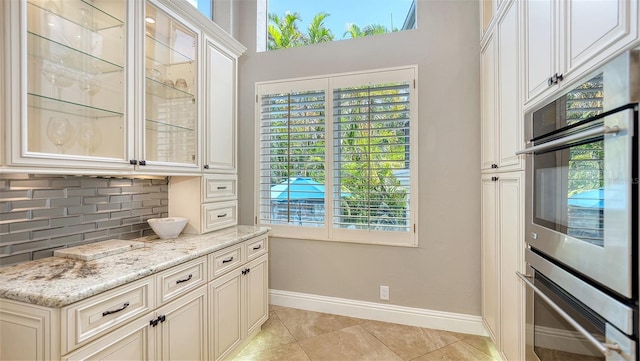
x: 443, y: 273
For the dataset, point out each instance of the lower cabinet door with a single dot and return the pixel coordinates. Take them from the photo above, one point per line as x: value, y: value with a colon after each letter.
x: 226, y: 306
x: 133, y: 341
x: 256, y: 293
x: 182, y: 327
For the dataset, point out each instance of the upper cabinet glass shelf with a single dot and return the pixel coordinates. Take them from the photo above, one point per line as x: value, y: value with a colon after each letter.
x: 166, y: 90
x: 67, y: 107
x: 46, y: 49
x: 161, y: 53
x: 79, y: 12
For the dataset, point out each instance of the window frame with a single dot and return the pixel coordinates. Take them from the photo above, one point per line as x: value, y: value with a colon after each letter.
x: 328, y: 83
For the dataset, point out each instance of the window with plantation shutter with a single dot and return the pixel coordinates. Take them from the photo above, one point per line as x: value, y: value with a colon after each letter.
x: 336, y: 157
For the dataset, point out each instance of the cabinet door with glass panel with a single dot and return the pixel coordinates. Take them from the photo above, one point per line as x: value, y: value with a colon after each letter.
x: 73, y: 109
x: 171, y: 113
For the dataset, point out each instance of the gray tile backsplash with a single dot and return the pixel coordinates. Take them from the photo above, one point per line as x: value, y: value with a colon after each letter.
x: 39, y: 214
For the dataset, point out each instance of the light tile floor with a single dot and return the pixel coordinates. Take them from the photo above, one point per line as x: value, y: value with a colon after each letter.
x: 296, y: 335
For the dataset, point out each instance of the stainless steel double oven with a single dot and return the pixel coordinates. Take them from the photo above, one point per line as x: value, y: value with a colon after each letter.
x: 582, y: 219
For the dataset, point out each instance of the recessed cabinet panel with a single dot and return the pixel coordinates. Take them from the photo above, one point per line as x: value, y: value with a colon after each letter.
x: 75, y: 76
x: 220, y: 114
x: 171, y: 127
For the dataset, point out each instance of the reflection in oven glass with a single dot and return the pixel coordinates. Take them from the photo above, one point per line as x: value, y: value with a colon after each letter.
x: 569, y: 182
x: 554, y: 338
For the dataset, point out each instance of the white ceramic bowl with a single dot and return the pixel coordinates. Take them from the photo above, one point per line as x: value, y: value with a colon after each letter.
x: 168, y: 227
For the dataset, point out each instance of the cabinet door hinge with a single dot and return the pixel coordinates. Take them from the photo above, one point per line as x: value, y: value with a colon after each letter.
x: 414, y: 228
x: 256, y: 98
x: 414, y: 83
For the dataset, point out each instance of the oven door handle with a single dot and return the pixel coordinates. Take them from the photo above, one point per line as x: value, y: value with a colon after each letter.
x: 601, y: 130
x: 605, y: 348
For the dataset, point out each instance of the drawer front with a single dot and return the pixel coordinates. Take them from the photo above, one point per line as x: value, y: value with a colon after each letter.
x: 220, y: 187
x: 225, y: 260
x: 181, y: 279
x: 219, y: 215
x: 256, y: 247
x: 88, y: 319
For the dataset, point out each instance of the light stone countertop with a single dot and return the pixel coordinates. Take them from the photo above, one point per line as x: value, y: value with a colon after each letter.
x: 57, y: 282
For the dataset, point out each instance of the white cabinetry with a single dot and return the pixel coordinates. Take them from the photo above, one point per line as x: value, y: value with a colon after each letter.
x: 116, y: 87
x: 209, y: 201
x: 75, y: 96
x: 502, y: 256
x: 220, y: 108
x: 564, y: 39
x: 501, y: 118
x: 501, y: 190
x: 201, y: 309
x: 239, y: 306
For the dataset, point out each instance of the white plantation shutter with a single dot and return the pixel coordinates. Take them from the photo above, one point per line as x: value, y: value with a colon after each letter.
x: 337, y: 160
x: 292, y: 158
x: 372, y: 157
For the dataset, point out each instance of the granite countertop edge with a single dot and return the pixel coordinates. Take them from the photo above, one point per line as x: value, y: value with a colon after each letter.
x: 58, y: 282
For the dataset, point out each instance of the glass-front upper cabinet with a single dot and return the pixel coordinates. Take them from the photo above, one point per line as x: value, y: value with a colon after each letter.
x: 75, y: 81
x: 171, y: 113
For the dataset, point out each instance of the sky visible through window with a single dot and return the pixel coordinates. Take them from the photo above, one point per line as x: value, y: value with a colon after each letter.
x: 389, y: 13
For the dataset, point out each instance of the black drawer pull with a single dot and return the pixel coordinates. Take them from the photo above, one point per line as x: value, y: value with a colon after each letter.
x: 227, y: 260
x: 185, y: 279
x: 222, y: 187
x: 105, y: 313
x: 222, y: 215
x: 257, y: 247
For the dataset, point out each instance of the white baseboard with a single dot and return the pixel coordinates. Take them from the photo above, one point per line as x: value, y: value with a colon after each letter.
x: 454, y: 322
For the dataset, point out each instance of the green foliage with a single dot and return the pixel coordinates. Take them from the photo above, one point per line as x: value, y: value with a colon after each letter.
x: 283, y: 32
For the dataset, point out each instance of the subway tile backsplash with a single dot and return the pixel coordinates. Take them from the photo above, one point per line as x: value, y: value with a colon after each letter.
x: 39, y: 214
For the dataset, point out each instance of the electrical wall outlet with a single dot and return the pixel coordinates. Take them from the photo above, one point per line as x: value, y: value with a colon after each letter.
x: 384, y: 293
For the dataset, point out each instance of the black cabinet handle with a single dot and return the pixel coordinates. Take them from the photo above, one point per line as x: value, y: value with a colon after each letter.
x: 206, y: 166
x: 185, y: 279
x: 494, y: 179
x: 494, y: 166
x: 133, y: 161
x: 162, y: 318
x: 559, y: 77
x: 246, y: 270
x: 222, y: 187
x: 125, y: 305
x: 257, y: 247
x: 550, y: 81
x: 227, y: 260
x: 143, y: 162
x: 222, y: 215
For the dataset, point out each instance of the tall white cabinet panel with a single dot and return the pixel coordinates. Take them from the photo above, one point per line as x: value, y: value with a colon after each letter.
x: 509, y: 131
x: 220, y: 109
x: 488, y: 122
x: 501, y: 117
x: 510, y: 235
x: 490, y: 260
x: 502, y: 256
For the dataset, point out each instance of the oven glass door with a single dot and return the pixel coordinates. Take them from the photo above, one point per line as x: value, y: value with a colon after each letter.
x: 553, y: 338
x: 582, y: 201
